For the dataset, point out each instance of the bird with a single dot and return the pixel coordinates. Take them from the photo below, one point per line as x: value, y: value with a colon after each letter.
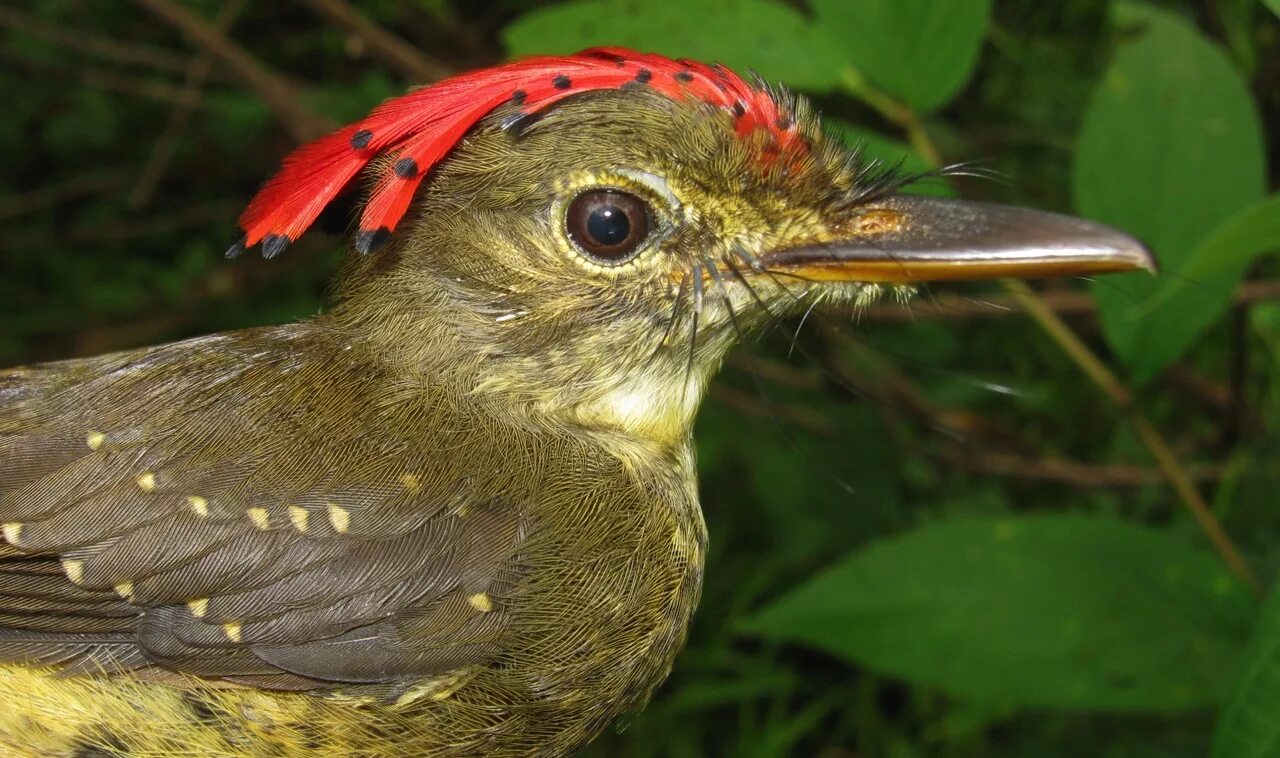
x: 456, y: 512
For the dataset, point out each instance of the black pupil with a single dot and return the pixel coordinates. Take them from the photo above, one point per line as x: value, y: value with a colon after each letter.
x: 608, y: 225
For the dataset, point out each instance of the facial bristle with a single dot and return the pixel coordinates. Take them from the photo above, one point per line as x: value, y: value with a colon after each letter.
x: 419, y: 129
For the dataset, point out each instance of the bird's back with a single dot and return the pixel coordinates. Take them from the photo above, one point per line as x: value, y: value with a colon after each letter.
x: 261, y: 541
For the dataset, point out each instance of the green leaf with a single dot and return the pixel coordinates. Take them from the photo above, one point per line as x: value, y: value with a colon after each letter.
x: 769, y: 37
x: 1274, y: 5
x: 1170, y: 147
x: 1248, y: 726
x: 921, y: 51
x: 889, y: 153
x: 1182, y: 307
x: 1044, y: 611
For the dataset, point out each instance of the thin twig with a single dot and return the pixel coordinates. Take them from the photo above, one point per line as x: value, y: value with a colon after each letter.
x: 83, y: 41
x: 986, y: 455
x: 798, y: 416
x: 1119, y: 394
x: 112, y: 81
x: 897, y: 112
x: 1064, y: 471
x: 276, y: 92
x: 167, y: 223
x: 996, y: 305
x: 391, y: 49
x: 1088, y: 362
x: 49, y: 196
x: 166, y: 145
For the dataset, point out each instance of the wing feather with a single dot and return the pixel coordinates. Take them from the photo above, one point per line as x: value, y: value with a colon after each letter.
x: 224, y: 508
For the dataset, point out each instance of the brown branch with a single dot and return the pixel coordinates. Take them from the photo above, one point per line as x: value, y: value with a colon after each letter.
x: 89, y: 43
x: 973, y: 456
x: 798, y: 416
x: 1064, y: 471
x: 775, y: 371
x: 125, y: 229
x: 166, y: 145
x: 152, y: 89
x: 390, y: 48
x: 1120, y: 396
x: 53, y: 195
x: 1062, y: 302
x: 277, y: 93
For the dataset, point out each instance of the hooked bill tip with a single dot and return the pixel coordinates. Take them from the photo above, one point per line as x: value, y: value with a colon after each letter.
x: 369, y: 240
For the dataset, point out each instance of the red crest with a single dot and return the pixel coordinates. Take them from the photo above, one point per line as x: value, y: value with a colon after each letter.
x: 420, y: 129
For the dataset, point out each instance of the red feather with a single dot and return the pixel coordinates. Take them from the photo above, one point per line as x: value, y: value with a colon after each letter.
x: 420, y: 129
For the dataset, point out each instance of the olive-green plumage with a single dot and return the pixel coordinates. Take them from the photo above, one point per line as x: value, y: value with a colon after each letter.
x: 454, y: 515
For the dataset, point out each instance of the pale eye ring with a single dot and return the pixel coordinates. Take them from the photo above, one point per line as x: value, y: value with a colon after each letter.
x: 609, y: 226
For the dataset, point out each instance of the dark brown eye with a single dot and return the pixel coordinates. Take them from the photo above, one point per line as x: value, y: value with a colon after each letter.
x: 608, y: 225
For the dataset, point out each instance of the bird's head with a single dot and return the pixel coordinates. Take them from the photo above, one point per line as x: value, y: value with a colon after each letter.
x: 589, y: 235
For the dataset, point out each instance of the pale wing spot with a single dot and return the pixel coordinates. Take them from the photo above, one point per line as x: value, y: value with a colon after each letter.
x: 12, y: 532
x: 199, y: 607
x: 74, y: 569
x: 259, y: 517
x: 146, y: 482
x: 232, y: 631
x: 339, y: 518
x: 481, y: 602
x: 437, y: 689
x: 411, y: 482
x: 95, y: 439
x: 125, y: 590
x: 199, y: 505
x: 298, y: 515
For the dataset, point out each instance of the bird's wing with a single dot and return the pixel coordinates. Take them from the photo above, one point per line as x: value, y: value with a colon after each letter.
x: 214, y: 509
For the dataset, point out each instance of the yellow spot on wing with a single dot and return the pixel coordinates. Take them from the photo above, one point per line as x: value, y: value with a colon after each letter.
x: 125, y: 590
x: 74, y: 569
x: 298, y: 515
x: 339, y: 518
x: 232, y: 631
x: 95, y: 439
x: 411, y: 482
x: 12, y: 531
x: 199, y: 505
x: 259, y: 517
x: 481, y: 602
x: 199, y: 607
x: 147, y: 482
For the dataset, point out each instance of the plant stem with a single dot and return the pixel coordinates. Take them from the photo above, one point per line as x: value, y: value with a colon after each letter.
x: 899, y: 113
x: 1075, y: 348
x: 1119, y: 394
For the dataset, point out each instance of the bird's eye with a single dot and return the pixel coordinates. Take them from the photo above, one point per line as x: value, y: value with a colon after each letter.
x: 608, y: 225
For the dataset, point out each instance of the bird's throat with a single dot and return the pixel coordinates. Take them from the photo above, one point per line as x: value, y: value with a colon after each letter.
x: 652, y: 407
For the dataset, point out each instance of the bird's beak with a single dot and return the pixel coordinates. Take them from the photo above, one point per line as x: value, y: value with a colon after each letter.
x: 907, y: 239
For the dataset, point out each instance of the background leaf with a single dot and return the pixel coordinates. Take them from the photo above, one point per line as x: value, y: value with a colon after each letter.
x: 1274, y: 5
x: 1248, y: 726
x: 1171, y: 146
x: 921, y: 51
x: 1182, y: 307
x: 770, y: 37
x: 891, y: 152
x: 811, y: 442
x: 1045, y: 611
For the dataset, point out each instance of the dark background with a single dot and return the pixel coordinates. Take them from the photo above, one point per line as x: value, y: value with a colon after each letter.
x: 933, y: 532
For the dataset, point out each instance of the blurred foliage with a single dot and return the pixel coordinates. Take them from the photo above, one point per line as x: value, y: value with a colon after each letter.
x: 930, y: 535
